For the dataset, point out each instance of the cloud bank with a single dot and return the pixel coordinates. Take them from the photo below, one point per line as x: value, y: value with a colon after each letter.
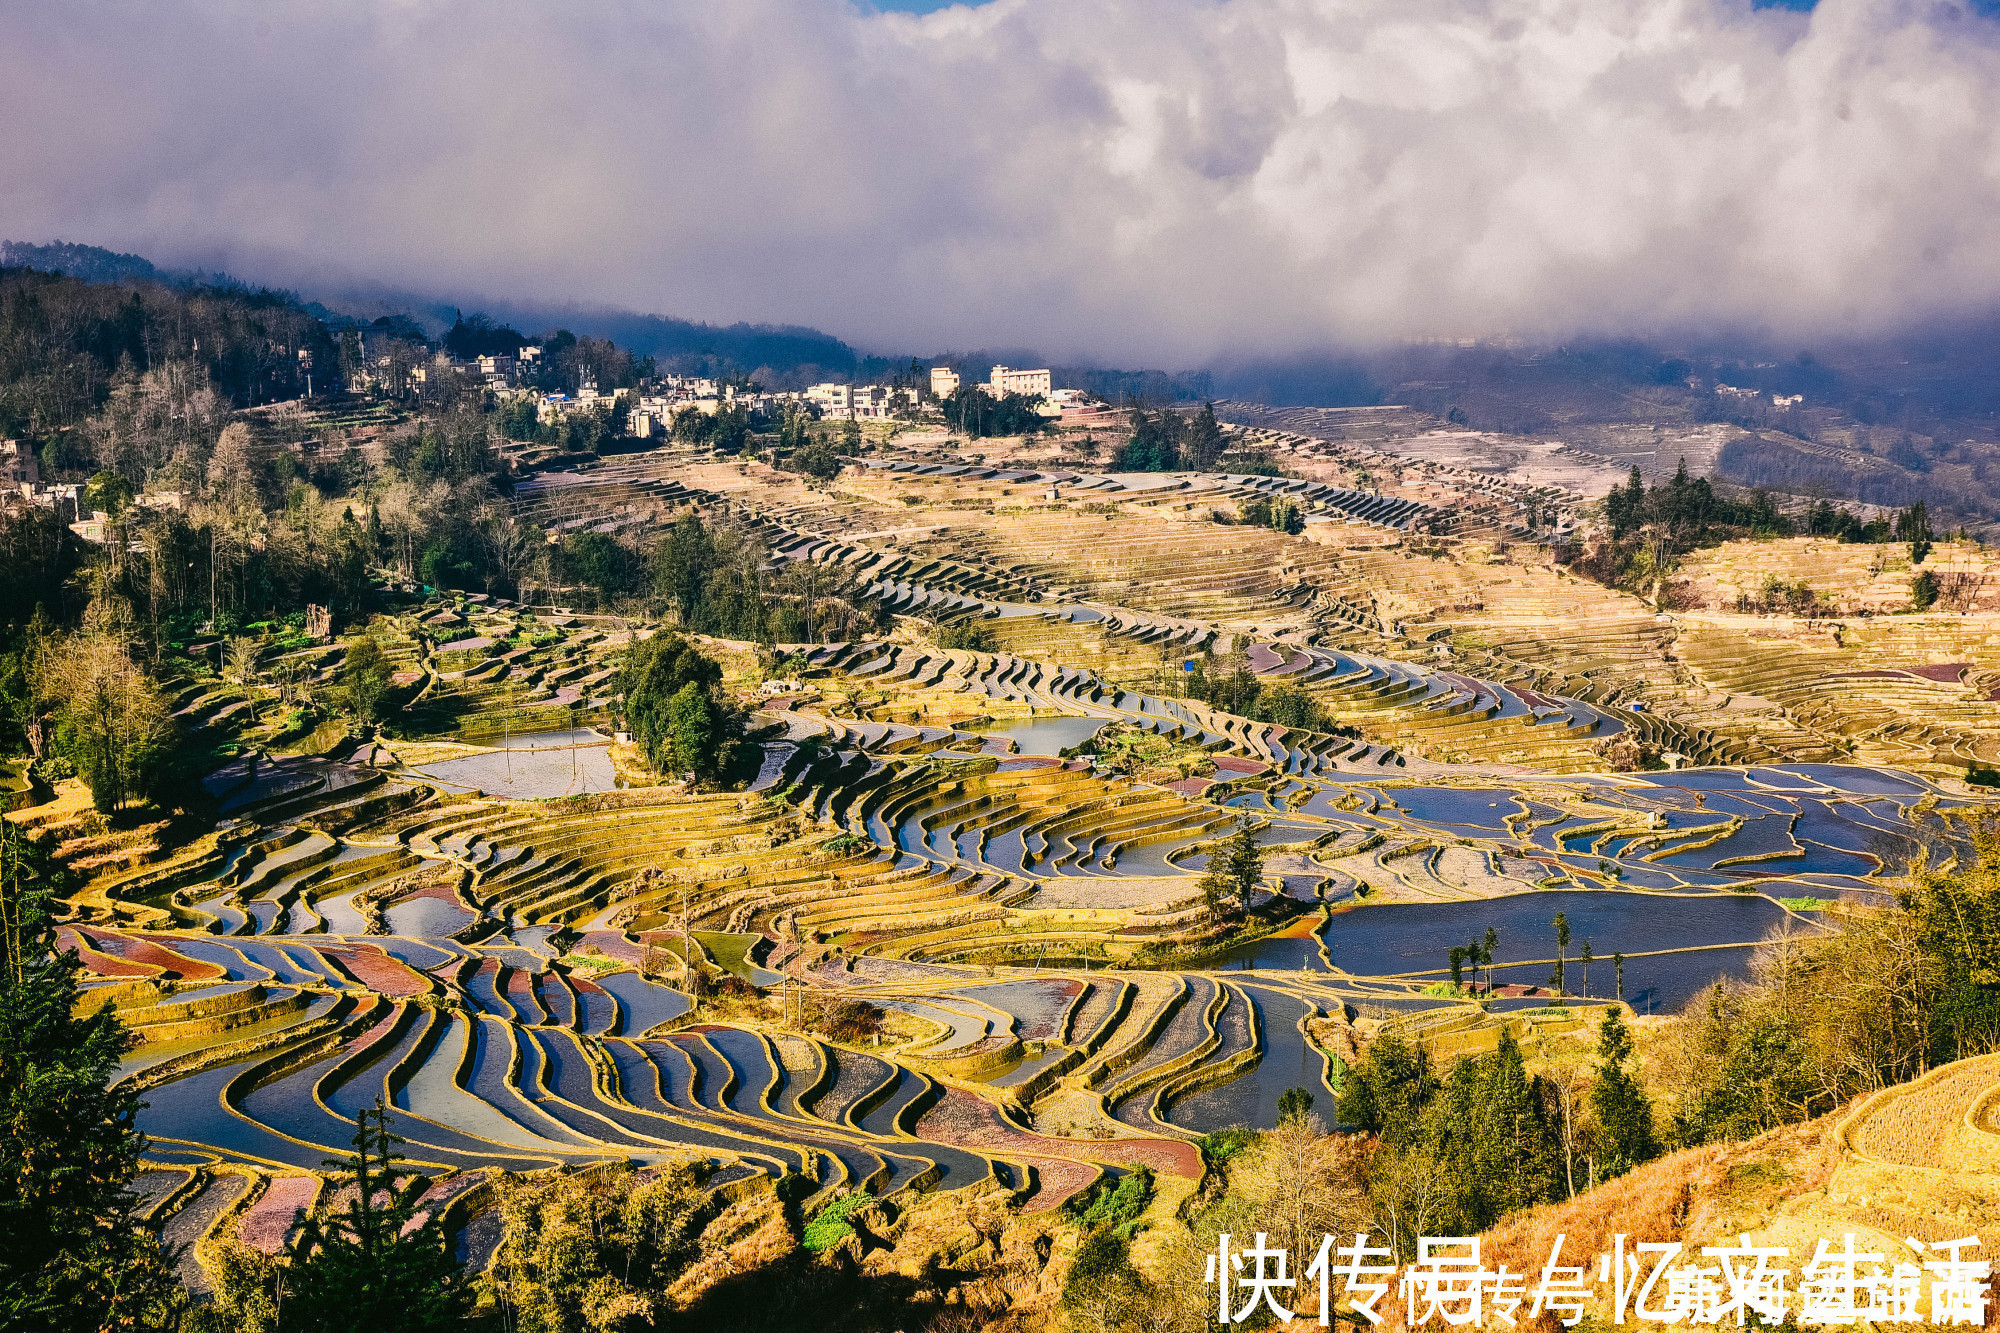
x: 1158, y: 180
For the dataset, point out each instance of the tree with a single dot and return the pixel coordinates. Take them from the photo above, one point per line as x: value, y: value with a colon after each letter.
x: 1486, y: 948
x: 1246, y: 864
x: 1561, y: 924
x: 1155, y: 443
x: 1294, y: 1104
x: 374, y: 1268
x: 691, y: 725
x: 1624, y: 1114
x: 1618, y: 964
x: 1624, y: 508
x: 818, y: 457
x: 596, y: 1251
x: 972, y: 635
x: 1202, y: 441
x: 1585, y: 957
x: 674, y: 709
x: 1218, y: 892
x: 978, y: 413
x: 1924, y: 591
x: 364, y: 675
x: 1457, y: 966
x: 1913, y: 525
x: 598, y: 560
x: 112, y: 721
x: 76, y: 1257
x: 1386, y: 1092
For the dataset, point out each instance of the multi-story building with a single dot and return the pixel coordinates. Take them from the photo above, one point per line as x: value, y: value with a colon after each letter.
x: 499, y: 370
x: 17, y: 463
x: 1005, y: 381
x: 944, y: 381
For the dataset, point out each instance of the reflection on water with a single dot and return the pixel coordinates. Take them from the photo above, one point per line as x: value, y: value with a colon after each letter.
x: 1048, y: 735
x: 426, y: 916
x: 533, y: 766
x: 644, y: 1003
x: 1252, y: 1098
x: 1399, y: 938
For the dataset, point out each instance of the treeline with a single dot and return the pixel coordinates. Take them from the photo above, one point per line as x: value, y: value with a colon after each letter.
x: 1646, y: 529
x: 979, y: 414
x: 64, y: 342
x: 1462, y: 1147
x: 721, y: 580
x: 1230, y: 685
x: 1168, y: 441
x: 1688, y: 511
x: 676, y: 709
x: 1879, y: 998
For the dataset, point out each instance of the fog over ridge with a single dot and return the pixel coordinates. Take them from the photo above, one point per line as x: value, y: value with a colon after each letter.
x: 1167, y: 181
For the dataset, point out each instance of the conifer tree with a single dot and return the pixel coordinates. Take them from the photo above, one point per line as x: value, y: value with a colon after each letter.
x: 1245, y: 864
x: 74, y: 1256
x: 1386, y: 1093
x: 1624, y: 1113
x: 1561, y: 924
x: 373, y: 1268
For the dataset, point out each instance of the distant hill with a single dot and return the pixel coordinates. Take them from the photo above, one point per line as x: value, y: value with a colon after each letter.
x: 92, y: 263
x: 770, y: 352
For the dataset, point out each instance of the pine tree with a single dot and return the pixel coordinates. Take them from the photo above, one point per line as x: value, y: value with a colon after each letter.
x: 1245, y: 862
x: 1624, y: 1113
x: 73, y: 1257
x: 1386, y: 1093
x: 368, y: 1269
x: 1562, y: 942
x: 1217, y: 893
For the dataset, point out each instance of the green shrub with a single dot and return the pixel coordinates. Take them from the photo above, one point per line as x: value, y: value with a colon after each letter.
x: 1114, y: 1205
x: 1226, y: 1143
x: 829, y: 1226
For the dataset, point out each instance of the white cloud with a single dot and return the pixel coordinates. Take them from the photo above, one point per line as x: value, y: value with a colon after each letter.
x: 1157, y: 180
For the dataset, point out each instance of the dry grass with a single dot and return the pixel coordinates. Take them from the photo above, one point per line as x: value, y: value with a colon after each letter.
x: 1919, y: 1126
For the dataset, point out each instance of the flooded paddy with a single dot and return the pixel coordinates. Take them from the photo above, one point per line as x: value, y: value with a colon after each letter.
x: 532, y: 766
x: 1251, y: 1099
x: 1397, y: 939
x: 1054, y: 736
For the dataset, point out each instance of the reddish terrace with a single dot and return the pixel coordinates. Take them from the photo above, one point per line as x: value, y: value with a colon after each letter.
x: 376, y: 970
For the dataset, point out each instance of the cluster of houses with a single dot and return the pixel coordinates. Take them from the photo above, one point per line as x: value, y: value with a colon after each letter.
x: 21, y: 488
x: 377, y: 358
x: 1778, y: 400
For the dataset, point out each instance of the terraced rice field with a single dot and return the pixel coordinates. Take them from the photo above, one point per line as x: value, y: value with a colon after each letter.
x: 482, y: 929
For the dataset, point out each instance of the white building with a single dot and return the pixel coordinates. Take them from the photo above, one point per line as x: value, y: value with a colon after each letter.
x: 1005, y: 381
x: 833, y: 400
x: 944, y: 381
x: 860, y: 402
